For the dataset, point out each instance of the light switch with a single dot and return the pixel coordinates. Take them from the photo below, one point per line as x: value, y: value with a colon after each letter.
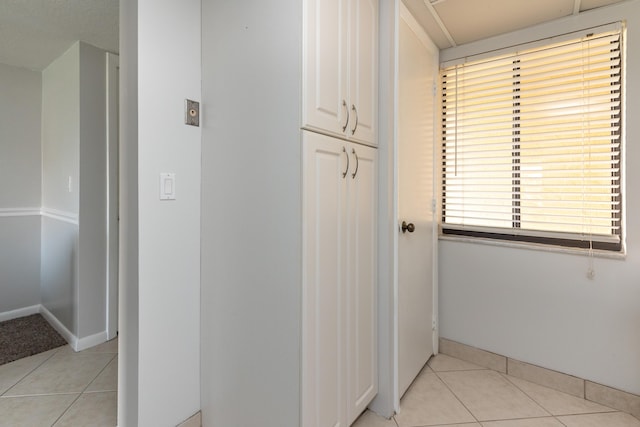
x: 167, y: 186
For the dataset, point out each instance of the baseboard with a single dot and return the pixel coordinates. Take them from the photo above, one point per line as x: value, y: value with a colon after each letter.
x: 90, y: 341
x: 58, y: 326
x: 579, y: 387
x: 20, y: 312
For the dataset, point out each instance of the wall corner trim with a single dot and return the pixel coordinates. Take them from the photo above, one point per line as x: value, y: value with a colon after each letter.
x: 58, y: 326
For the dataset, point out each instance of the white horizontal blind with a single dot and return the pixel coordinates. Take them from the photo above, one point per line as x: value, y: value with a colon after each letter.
x: 531, y: 142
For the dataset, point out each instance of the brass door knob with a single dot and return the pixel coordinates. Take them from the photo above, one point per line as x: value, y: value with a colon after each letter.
x: 408, y: 227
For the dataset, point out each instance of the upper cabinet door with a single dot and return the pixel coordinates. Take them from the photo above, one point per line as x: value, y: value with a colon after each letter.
x: 340, y: 68
x: 363, y: 65
x: 325, y: 66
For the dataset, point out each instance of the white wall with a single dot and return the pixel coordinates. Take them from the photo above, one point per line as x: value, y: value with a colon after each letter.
x: 168, y: 64
x: 128, y: 233
x: 60, y: 160
x: 73, y: 268
x: 19, y: 263
x: 251, y: 213
x: 21, y: 91
x: 20, y: 99
x: 538, y: 306
x: 92, y: 235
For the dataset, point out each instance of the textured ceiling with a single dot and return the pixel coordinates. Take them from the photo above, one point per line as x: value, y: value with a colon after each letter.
x: 35, y: 32
x: 454, y: 22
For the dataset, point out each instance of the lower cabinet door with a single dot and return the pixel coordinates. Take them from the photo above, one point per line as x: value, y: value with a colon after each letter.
x: 324, y: 293
x: 362, y: 360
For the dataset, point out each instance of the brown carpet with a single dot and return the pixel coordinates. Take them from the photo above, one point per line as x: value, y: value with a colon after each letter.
x: 26, y: 336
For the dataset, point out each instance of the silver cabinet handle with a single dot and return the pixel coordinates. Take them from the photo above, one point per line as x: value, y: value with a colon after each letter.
x: 344, y: 104
x: 353, y: 175
x: 344, y: 174
x: 353, y: 108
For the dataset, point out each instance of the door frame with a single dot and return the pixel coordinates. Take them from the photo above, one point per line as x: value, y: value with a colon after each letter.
x: 113, y: 68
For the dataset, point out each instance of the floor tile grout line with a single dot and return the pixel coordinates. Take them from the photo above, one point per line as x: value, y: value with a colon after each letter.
x: 32, y: 370
x: 506, y: 377
x: 101, y: 371
x: 66, y: 410
x: 58, y: 351
x: 83, y: 391
x: 20, y: 396
x: 457, y: 398
x: 498, y: 420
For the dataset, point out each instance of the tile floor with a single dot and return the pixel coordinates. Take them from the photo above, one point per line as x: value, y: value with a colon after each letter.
x: 61, y: 388
x: 453, y: 393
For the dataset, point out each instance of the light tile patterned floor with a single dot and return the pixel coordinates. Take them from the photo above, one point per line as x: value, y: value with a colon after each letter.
x: 61, y: 388
x: 453, y: 393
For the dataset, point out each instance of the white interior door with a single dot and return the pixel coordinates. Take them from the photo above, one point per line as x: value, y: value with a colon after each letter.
x: 417, y: 73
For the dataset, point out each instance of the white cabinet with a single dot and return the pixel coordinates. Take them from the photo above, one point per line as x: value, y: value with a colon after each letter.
x: 339, y: 87
x: 339, y: 337
x: 340, y: 68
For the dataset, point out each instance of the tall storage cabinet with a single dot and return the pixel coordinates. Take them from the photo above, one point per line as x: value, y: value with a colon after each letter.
x: 339, y: 285
x: 339, y: 108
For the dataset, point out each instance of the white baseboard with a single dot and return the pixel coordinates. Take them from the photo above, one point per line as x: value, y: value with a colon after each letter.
x: 78, y: 344
x: 20, y: 312
x: 58, y: 326
x: 90, y: 341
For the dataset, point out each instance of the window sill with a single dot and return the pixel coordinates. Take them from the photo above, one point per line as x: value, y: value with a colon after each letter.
x: 534, y: 246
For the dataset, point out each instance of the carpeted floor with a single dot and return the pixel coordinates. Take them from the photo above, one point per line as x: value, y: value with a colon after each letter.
x: 26, y: 336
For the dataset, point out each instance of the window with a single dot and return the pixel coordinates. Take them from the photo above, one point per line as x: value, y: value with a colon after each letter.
x: 531, y: 144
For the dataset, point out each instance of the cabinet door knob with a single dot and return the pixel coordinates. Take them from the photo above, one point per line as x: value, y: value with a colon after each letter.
x: 346, y: 108
x: 408, y: 227
x: 355, y: 110
x: 353, y: 175
x: 344, y: 174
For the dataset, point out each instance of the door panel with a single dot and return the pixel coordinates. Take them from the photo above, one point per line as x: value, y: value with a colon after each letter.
x: 362, y: 339
x: 418, y: 67
x: 324, y: 285
x: 364, y: 65
x: 325, y: 65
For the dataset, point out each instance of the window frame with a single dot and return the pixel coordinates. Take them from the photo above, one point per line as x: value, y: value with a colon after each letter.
x: 545, y: 239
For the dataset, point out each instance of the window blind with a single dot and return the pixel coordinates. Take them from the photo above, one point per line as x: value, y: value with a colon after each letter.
x: 531, y: 144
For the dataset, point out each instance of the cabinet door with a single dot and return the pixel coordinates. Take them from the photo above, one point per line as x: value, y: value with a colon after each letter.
x: 362, y: 313
x: 324, y: 293
x: 363, y: 78
x: 325, y: 66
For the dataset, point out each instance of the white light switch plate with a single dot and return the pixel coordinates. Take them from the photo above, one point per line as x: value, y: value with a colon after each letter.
x: 167, y: 186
